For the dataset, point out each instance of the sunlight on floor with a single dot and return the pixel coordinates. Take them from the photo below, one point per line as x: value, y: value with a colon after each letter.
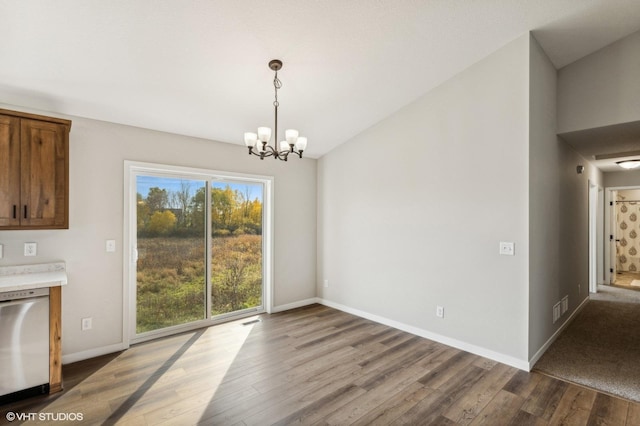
x: 194, y: 398
x: 144, y: 390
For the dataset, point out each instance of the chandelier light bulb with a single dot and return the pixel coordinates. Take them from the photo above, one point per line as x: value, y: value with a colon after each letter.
x: 250, y: 139
x: 264, y: 134
x: 284, y: 146
x: 301, y: 143
x: 291, y: 135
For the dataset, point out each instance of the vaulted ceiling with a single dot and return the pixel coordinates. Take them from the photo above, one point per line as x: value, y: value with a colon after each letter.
x: 199, y: 67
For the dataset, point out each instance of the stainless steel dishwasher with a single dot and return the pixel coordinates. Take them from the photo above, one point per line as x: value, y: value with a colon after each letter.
x: 24, y: 343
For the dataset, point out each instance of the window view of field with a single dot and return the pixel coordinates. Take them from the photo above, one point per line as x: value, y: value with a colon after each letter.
x: 172, y: 260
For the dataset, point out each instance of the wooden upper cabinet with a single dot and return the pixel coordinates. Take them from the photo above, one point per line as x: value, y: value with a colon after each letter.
x: 9, y: 171
x: 34, y: 171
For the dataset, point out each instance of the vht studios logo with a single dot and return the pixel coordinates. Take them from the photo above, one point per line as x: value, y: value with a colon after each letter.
x: 49, y: 417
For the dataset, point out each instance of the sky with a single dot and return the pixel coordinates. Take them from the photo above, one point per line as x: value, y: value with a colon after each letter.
x: 173, y: 184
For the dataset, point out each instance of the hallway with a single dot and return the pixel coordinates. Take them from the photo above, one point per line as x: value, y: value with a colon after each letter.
x: 601, y: 347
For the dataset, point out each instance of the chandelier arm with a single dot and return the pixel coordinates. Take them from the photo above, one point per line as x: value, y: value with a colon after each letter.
x: 268, y: 152
x: 282, y: 155
x: 295, y: 151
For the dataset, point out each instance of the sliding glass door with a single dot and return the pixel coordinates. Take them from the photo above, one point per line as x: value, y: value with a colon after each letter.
x: 236, y: 248
x: 197, y: 248
x: 171, y: 243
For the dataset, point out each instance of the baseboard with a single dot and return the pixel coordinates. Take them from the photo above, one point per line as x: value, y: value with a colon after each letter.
x: 92, y: 353
x: 553, y: 338
x: 294, y: 305
x: 464, y: 346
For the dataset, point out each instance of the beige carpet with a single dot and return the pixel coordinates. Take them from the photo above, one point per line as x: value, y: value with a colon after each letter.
x: 601, y: 347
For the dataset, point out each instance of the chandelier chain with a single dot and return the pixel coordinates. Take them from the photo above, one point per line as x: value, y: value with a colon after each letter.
x: 277, y: 84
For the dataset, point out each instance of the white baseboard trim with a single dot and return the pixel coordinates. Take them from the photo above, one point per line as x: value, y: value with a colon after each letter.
x: 464, y: 346
x: 92, y: 353
x: 294, y: 305
x: 553, y: 338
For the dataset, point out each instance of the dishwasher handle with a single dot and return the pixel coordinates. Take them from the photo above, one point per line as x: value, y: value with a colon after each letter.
x: 13, y: 302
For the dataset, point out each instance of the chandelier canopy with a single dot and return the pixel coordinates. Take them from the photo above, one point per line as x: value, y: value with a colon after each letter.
x: 258, y: 143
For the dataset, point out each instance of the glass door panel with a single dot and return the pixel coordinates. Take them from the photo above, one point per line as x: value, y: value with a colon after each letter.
x: 236, y: 246
x: 171, y: 243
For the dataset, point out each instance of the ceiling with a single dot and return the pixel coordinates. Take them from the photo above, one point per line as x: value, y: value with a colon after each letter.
x: 199, y: 67
x: 604, y: 146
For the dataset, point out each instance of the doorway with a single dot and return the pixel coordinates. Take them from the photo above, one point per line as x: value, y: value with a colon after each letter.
x: 625, y: 237
x: 199, y: 248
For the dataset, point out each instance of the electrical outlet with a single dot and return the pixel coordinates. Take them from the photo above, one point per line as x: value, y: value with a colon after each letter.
x: 565, y: 304
x: 556, y: 312
x: 30, y: 249
x: 1, y: 251
x: 87, y: 324
x: 110, y: 246
x: 578, y: 289
x: 326, y: 283
x: 440, y: 311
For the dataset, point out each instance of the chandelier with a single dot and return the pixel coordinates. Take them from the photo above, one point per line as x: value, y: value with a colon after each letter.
x: 258, y: 143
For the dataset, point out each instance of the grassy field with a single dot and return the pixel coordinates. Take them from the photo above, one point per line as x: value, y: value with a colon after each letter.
x: 171, y: 278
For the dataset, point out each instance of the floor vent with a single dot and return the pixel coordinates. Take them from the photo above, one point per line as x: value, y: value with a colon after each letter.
x: 251, y: 322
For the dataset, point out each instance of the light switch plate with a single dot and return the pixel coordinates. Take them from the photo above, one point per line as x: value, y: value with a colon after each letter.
x: 30, y: 249
x: 111, y: 246
x: 507, y: 248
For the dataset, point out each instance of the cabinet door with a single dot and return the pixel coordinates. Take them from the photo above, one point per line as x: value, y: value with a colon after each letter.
x: 45, y: 176
x: 9, y: 171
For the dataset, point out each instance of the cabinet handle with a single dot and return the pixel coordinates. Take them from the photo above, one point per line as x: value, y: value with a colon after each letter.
x: 25, y: 211
x: 15, y: 211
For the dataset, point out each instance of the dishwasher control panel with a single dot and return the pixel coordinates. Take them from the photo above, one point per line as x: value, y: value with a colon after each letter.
x: 23, y: 294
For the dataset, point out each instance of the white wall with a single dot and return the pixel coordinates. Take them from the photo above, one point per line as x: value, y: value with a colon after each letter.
x: 97, y: 152
x: 396, y: 238
x: 622, y: 178
x: 601, y: 89
x: 558, y: 210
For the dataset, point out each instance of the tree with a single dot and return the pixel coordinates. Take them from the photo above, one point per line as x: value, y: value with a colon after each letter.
x: 255, y: 216
x: 161, y: 223
x: 223, y: 205
x: 181, y: 200
x: 142, y: 211
x: 198, y: 203
x: 157, y: 199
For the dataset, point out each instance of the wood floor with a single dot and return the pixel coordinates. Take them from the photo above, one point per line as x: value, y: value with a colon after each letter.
x: 315, y: 365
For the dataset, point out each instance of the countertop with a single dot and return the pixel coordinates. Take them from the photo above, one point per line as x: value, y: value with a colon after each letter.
x: 24, y: 277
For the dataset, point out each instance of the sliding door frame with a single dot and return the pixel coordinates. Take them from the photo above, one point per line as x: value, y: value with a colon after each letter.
x: 131, y: 170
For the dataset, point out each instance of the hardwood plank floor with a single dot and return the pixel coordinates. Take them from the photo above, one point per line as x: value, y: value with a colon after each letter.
x: 314, y: 366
